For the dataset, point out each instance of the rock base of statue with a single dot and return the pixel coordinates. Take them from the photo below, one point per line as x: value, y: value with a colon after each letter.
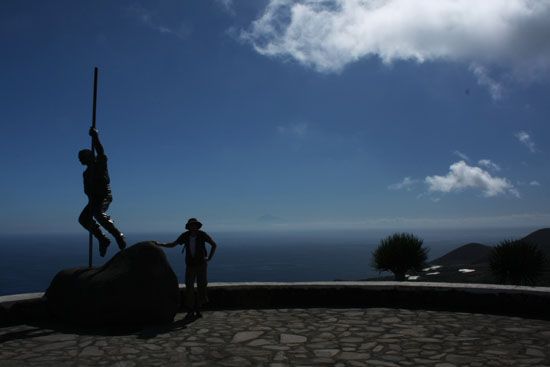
x: 136, y: 287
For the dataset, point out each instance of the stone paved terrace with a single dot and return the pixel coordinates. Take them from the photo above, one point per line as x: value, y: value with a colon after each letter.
x: 374, y: 336
x: 294, y: 337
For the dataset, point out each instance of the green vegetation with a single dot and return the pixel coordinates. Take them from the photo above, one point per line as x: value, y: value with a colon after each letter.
x: 400, y: 253
x: 517, y: 262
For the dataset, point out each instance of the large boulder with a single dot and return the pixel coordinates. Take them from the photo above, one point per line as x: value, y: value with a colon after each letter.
x: 137, y: 286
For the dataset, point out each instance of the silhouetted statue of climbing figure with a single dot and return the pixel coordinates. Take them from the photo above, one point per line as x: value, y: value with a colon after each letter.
x: 96, y: 186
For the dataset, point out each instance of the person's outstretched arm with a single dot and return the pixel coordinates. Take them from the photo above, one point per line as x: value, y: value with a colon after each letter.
x: 95, y: 141
x: 167, y: 244
x: 213, y: 246
x: 178, y: 241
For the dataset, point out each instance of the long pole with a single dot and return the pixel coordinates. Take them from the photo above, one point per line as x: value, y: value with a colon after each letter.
x: 91, y: 238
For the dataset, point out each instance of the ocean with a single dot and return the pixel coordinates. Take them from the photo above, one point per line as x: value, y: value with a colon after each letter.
x: 29, y: 262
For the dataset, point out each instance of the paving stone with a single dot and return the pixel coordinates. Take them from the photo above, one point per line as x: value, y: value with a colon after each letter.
x: 245, y: 336
x: 535, y: 352
x: 376, y: 362
x: 461, y: 359
x: 351, y: 340
x: 128, y: 350
x: 124, y: 364
x: 276, y: 347
x: 389, y: 320
x: 368, y: 345
x: 325, y: 352
x: 54, y: 346
x: 326, y: 335
x: 279, y: 356
x: 235, y: 362
x: 438, y: 356
x: 259, y: 342
x: 197, y: 350
x: 191, y: 344
x: 353, y: 355
x: 519, y: 329
x: 378, y: 348
x: 91, y: 351
x: 152, y: 346
x: 291, y: 338
x: 55, y: 338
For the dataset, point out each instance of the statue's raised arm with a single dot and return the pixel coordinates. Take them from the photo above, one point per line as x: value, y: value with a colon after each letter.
x: 95, y: 141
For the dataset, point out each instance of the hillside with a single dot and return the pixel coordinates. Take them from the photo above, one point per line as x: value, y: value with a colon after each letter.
x: 541, y: 238
x: 469, y: 254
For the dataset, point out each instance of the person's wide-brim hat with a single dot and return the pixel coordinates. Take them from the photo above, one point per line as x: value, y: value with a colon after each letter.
x: 193, y: 221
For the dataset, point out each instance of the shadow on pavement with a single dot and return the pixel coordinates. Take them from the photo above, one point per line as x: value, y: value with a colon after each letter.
x: 24, y: 334
x: 49, y: 327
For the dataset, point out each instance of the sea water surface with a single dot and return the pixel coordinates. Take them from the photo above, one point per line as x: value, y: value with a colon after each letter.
x: 29, y: 262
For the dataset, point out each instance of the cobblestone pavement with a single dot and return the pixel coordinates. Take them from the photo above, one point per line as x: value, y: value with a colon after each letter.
x: 294, y: 337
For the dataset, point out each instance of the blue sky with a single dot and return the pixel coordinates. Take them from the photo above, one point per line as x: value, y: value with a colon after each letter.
x: 278, y: 114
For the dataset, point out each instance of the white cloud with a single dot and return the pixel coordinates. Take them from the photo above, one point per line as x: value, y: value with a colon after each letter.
x: 526, y: 140
x: 487, y: 163
x: 327, y: 35
x: 406, y: 184
x: 462, y: 176
x: 298, y: 129
x: 534, y: 183
x: 484, y: 79
x: 461, y: 155
x: 146, y: 18
x: 227, y: 5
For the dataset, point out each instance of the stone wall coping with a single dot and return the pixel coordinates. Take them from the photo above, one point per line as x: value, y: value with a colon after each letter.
x: 390, y: 285
x: 381, y: 285
x: 20, y: 297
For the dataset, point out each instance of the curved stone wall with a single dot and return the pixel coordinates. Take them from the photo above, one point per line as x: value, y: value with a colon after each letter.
x: 533, y: 302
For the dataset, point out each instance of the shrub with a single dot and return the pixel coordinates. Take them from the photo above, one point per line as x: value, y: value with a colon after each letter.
x: 400, y: 253
x: 517, y: 262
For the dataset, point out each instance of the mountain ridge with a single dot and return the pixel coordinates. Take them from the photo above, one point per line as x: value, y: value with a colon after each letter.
x: 468, y: 254
x: 469, y: 263
x: 541, y: 238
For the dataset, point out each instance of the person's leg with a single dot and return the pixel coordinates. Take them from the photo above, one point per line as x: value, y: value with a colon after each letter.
x: 202, y: 282
x: 87, y: 221
x: 99, y: 210
x: 190, y: 276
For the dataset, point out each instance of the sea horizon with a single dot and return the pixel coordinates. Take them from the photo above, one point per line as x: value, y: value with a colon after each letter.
x: 28, y: 262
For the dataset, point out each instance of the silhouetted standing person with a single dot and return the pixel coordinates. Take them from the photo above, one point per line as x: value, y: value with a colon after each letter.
x: 97, y: 188
x: 194, y: 241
